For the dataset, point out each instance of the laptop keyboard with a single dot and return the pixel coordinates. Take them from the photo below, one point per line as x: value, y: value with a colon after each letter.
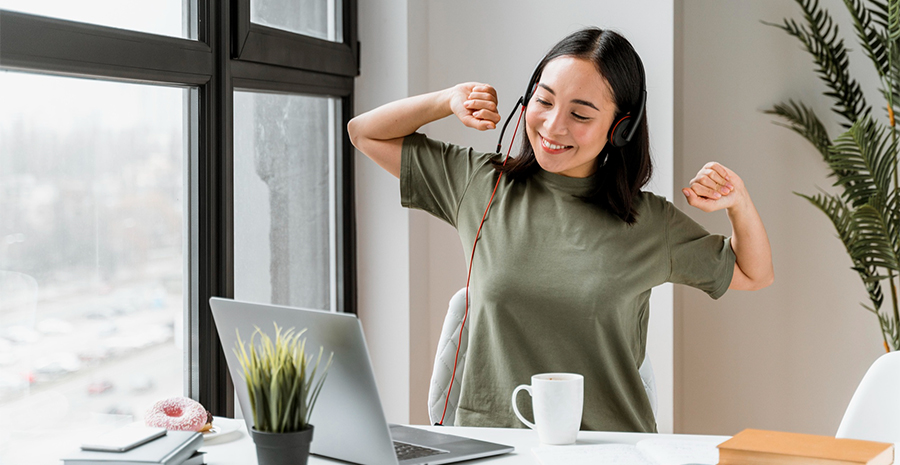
x: 406, y: 451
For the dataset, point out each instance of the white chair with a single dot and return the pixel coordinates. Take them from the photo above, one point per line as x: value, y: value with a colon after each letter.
x: 874, y: 410
x: 446, y: 353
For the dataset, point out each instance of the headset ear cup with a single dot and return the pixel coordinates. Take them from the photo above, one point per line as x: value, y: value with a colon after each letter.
x: 532, y: 86
x: 619, y: 130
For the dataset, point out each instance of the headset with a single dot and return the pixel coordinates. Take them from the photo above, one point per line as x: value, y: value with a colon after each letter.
x: 621, y: 132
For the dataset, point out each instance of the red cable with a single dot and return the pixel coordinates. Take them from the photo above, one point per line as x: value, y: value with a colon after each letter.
x: 469, y: 275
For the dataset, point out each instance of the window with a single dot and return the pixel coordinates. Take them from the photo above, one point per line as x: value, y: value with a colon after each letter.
x: 315, y: 18
x: 91, y: 250
x: 285, y: 152
x: 136, y: 173
x: 271, y: 31
x: 154, y: 16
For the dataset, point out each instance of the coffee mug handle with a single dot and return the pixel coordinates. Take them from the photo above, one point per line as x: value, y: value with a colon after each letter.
x: 516, y: 407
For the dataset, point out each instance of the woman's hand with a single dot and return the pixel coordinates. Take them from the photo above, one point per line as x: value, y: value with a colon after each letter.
x: 715, y: 187
x: 475, y: 104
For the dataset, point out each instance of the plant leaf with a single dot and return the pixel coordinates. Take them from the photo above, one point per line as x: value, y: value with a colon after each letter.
x: 866, y: 159
x: 278, y: 375
x: 803, y: 120
x: 820, y: 38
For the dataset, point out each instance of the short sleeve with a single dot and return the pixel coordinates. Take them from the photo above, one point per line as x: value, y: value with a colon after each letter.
x: 434, y: 175
x: 697, y: 258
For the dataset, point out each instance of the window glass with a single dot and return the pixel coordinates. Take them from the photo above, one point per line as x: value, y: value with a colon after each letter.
x: 316, y: 18
x: 91, y: 258
x: 284, y: 187
x: 164, y: 17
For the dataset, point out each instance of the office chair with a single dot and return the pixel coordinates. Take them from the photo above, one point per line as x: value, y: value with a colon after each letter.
x: 446, y: 352
x: 874, y: 410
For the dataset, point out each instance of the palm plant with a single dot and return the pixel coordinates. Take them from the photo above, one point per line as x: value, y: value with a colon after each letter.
x: 866, y: 213
x: 279, y: 379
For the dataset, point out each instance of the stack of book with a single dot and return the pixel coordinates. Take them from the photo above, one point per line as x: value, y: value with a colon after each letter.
x: 171, y: 448
x: 757, y: 447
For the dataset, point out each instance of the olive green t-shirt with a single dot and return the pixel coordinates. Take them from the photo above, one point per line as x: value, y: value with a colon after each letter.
x: 558, y: 284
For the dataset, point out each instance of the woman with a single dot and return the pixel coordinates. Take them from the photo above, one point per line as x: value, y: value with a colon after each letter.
x: 571, y: 246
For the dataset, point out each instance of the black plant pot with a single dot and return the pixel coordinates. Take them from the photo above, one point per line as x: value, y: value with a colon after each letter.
x: 282, y: 448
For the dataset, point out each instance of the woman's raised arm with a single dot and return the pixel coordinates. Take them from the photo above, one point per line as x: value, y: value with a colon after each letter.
x: 379, y: 133
x: 716, y: 187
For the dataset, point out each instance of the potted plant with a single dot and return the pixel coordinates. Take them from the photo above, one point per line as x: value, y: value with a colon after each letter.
x: 282, y: 386
x: 866, y: 214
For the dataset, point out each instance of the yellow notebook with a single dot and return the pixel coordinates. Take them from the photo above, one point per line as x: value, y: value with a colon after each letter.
x: 758, y: 447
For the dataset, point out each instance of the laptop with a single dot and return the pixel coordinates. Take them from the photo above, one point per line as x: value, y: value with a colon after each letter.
x: 348, y: 416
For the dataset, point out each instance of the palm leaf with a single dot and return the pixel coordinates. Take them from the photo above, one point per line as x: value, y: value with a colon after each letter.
x: 841, y: 217
x: 866, y: 157
x: 866, y: 214
x: 889, y: 328
x: 871, y: 246
x: 820, y: 38
x: 891, y: 210
x: 803, y: 120
x: 880, y: 13
x: 893, y: 21
x: 873, y: 40
x: 888, y: 15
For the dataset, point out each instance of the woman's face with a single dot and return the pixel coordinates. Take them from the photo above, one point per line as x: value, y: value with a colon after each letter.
x: 568, y: 118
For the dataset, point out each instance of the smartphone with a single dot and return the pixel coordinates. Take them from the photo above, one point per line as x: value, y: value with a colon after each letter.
x: 123, y: 439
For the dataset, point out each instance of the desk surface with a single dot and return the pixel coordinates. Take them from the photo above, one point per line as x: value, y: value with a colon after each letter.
x: 238, y: 449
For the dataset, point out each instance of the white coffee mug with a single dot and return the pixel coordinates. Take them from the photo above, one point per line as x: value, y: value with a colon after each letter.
x: 557, y: 400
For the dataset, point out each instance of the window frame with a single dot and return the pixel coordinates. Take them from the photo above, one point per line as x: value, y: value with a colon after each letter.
x: 209, y: 68
x: 265, y: 44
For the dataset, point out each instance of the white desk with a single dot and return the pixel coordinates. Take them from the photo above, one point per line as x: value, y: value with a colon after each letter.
x: 239, y: 450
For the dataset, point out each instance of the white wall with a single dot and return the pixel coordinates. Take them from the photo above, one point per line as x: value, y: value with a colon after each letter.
x: 420, y: 46
x: 382, y: 225
x: 790, y: 356
x: 787, y: 357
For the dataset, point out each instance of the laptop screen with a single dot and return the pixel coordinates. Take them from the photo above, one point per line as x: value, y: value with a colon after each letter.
x: 348, y: 419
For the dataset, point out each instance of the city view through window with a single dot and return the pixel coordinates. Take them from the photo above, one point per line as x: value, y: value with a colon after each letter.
x: 91, y: 255
x: 95, y: 179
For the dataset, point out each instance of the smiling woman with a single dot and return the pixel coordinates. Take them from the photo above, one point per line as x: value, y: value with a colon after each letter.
x: 599, y: 111
x: 565, y: 126
x: 571, y: 246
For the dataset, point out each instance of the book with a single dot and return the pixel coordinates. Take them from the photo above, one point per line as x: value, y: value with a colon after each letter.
x: 196, y: 459
x: 654, y: 451
x: 751, y: 447
x: 172, y: 449
x: 124, y: 439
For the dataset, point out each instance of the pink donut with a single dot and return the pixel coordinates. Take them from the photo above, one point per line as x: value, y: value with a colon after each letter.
x: 177, y: 413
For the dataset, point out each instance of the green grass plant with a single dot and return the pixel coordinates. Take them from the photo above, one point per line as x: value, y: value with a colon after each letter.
x: 281, y: 379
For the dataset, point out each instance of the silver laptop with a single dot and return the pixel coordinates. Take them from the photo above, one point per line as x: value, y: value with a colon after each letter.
x: 348, y: 416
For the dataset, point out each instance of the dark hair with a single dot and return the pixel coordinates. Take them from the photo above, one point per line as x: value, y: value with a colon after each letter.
x: 626, y: 169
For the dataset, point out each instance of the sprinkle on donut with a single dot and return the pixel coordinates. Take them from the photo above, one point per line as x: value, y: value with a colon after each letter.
x: 177, y: 413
